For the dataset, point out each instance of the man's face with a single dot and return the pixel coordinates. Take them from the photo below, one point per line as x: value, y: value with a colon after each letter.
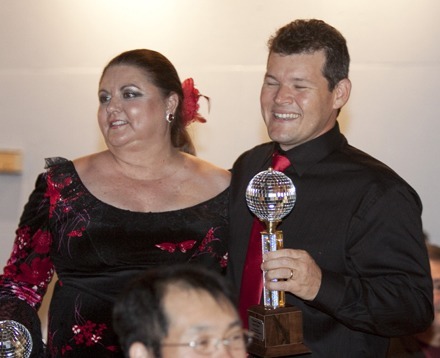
x: 296, y: 103
x: 195, y: 316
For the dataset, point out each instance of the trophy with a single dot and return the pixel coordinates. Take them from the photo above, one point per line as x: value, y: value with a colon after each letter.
x: 15, y: 340
x: 277, y: 327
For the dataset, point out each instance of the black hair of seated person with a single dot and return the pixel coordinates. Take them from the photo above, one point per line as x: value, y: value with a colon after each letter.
x: 138, y: 314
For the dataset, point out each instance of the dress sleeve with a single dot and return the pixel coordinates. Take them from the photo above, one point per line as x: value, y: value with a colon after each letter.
x: 390, y: 291
x: 29, y: 268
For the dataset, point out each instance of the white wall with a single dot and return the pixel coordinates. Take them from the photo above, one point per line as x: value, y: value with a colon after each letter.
x: 52, y: 52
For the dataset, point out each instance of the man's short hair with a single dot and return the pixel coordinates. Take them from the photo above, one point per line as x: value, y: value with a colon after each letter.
x: 309, y: 36
x: 139, y: 315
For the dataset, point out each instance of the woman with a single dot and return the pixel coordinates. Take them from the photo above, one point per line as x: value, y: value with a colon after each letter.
x: 103, y: 218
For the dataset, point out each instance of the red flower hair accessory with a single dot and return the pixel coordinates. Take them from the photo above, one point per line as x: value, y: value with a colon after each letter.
x: 190, y: 106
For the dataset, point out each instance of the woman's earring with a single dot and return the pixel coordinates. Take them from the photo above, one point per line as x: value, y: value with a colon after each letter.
x: 169, y: 117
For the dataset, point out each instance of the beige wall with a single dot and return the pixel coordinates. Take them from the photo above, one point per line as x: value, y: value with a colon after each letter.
x: 52, y: 52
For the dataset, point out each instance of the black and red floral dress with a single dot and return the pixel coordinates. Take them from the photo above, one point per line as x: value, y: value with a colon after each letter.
x: 95, y: 249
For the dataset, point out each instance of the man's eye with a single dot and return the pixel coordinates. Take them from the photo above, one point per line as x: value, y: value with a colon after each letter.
x: 203, y: 343
x: 234, y: 337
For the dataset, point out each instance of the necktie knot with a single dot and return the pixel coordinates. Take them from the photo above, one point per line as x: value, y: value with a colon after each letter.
x: 280, y: 162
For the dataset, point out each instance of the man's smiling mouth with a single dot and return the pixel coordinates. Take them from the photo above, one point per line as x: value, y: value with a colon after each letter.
x: 286, y: 115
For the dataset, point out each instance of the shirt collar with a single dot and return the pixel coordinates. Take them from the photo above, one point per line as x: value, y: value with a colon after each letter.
x: 307, y: 154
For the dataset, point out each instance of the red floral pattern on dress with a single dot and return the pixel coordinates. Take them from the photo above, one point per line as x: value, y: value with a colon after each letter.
x: 28, y: 294
x: 54, y: 191
x: 37, y: 272
x: 41, y: 242
x: 183, y: 246
x: 29, y: 268
x: 85, y: 333
x: 89, y: 333
x: 224, y: 261
x: 77, y: 233
x: 206, y: 247
x: 28, y: 272
x: 19, y: 250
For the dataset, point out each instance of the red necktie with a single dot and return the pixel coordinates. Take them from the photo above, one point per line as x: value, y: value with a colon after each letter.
x: 252, y: 279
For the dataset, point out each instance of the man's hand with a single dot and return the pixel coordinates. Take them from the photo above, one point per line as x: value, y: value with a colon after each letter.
x: 295, y: 270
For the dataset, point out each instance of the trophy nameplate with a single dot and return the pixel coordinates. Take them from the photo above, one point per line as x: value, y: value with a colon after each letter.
x: 277, y: 327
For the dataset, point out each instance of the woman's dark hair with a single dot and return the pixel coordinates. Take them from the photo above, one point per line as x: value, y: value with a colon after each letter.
x: 308, y: 36
x: 139, y: 314
x: 161, y: 73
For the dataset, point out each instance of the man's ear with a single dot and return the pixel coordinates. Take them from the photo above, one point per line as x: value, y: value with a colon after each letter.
x: 138, y: 350
x: 342, y: 93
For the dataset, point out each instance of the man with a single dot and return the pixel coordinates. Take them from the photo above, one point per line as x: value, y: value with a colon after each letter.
x: 354, y: 261
x: 426, y: 343
x: 179, y: 311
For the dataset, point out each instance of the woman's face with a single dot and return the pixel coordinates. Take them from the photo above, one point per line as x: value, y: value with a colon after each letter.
x: 132, y: 110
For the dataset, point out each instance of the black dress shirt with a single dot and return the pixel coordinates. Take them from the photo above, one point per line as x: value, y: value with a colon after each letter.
x: 410, y: 347
x: 361, y: 223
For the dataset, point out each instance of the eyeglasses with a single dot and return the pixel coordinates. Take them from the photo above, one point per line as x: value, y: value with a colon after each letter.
x: 238, y: 341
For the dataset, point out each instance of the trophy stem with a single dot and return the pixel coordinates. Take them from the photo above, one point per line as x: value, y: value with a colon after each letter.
x: 272, y: 241
x: 271, y: 226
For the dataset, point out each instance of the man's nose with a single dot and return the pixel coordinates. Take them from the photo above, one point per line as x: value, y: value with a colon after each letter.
x: 284, y: 95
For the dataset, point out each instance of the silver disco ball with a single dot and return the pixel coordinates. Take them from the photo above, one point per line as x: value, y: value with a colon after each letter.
x: 15, y: 340
x: 271, y: 195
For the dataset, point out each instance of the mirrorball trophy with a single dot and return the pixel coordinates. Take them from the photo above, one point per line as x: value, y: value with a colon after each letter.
x: 15, y: 340
x: 277, y: 327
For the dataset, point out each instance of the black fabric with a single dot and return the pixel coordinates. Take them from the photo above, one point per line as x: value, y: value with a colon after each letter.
x: 95, y: 249
x: 362, y: 225
x: 409, y: 347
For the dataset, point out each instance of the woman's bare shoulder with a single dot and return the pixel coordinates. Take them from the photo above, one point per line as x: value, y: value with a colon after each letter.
x: 90, y: 163
x: 210, y: 172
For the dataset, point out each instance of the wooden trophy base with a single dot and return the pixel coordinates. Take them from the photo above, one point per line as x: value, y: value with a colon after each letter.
x: 277, y: 332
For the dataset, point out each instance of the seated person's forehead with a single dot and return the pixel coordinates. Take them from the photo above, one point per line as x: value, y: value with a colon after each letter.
x: 198, y: 308
x: 184, y: 296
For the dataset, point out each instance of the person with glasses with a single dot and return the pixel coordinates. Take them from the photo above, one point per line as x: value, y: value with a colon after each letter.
x: 179, y: 311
